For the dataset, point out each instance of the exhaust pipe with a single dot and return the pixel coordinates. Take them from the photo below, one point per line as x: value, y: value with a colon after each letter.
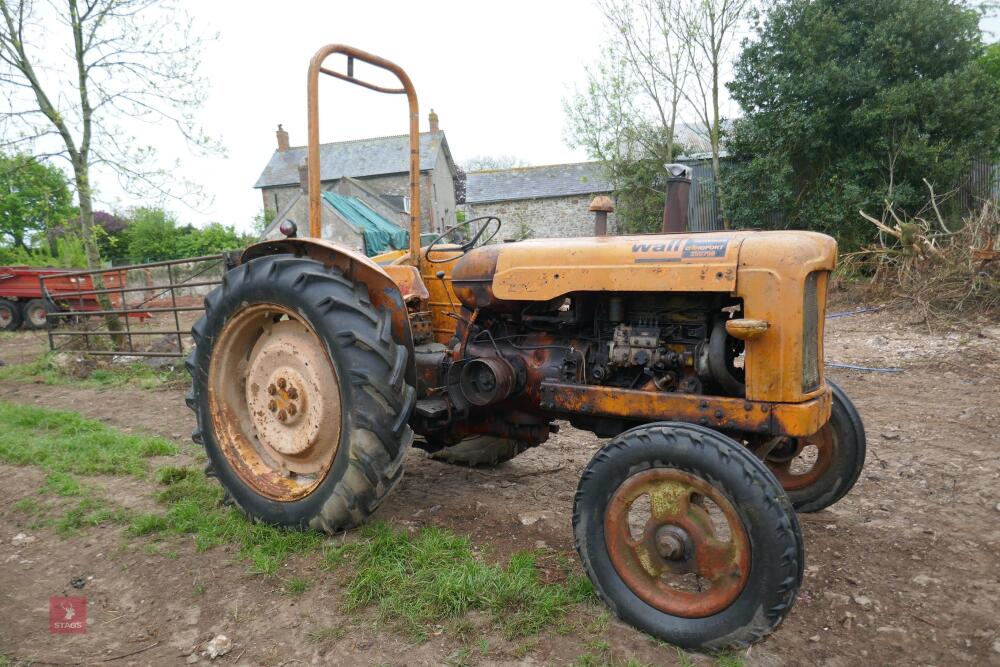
x: 675, y: 209
x: 600, y: 206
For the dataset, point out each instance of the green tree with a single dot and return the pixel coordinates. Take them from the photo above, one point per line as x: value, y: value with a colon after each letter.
x: 34, y: 199
x: 211, y: 239
x: 605, y: 119
x: 152, y: 236
x: 991, y: 61
x: 851, y: 104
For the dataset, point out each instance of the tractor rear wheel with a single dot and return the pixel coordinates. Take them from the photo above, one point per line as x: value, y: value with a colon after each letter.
x: 35, y: 312
x: 300, y: 393
x: 687, y: 536
x: 819, y: 470
x: 480, y: 450
x: 10, y: 315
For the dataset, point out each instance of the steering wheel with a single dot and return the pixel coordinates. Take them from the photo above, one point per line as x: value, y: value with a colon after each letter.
x: 465, y: 246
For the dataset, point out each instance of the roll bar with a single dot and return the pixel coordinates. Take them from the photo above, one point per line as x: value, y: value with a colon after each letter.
x: 315, y: 69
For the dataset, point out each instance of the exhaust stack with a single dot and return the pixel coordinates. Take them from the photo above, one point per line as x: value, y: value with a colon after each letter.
x: 675, y: 209
x: 600, y: 206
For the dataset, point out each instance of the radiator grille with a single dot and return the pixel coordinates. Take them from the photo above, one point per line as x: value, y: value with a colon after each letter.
x: 810, y: 333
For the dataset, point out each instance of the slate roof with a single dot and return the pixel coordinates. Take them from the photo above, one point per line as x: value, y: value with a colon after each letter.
x: 556, y: 180
x: 358, y: 158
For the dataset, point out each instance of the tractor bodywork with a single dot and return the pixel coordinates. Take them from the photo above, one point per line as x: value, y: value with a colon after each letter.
x: 647, y: 356
x: 699, y: 354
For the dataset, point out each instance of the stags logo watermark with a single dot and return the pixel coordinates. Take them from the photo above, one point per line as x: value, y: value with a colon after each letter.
x: 67, y: 616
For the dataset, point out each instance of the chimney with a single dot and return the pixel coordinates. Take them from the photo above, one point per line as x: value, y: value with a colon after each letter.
x: 675, y: 209
x: 600, y: 207
x: 433, y: 118
x: 282, y: 139
x: 303, y: 172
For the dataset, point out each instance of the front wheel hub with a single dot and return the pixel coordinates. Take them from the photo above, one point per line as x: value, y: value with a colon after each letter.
x: 677, y: 542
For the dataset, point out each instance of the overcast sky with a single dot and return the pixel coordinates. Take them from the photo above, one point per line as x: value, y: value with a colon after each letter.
x: 495, y: 72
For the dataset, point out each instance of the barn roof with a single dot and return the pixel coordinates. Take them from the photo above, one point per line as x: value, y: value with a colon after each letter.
x: 375, y: 156
x: 555, y: 180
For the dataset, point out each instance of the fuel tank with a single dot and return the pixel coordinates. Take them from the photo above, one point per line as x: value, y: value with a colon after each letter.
x: 538, y: 270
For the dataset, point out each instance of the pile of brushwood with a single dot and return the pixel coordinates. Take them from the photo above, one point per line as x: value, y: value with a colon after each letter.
x: 944, y: 270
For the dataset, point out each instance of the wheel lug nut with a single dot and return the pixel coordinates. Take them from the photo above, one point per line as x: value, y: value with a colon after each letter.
x: 282, y: 415
x: 293, y: 393
x: 271, y: 389
x: 272, y: 406
x: 282, y: 382
x: 292, y: 409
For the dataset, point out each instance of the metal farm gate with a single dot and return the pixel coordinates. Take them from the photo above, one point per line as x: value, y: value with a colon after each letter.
x: 141, y: 310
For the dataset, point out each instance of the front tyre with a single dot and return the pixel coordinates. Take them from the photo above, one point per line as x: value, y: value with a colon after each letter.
x: 300, y: 394
x: 688, y: 537
x: 819, y: 470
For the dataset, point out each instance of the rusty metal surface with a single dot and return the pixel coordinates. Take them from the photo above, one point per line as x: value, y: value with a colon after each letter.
x: 313, y: 162
x: 274, y: 401
x: 790, y: 465
x: 733, y: 414
x: 356, y: 267
x: 773, y: 270
x: 682, y: 563
x: 675, y: 207
x: 408, y: 279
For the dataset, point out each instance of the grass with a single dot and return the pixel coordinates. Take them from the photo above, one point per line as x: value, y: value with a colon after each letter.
x: 730, y: 660
x: 297, y: 586
x: 411, y: 581
x: 416, y: 580
x: 64, y: 442
x: 193, y: 508
x: 46, y: 370
x: 327, y: 634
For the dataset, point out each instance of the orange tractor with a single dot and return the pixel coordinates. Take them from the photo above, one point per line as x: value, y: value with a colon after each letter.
x: 700, y: 355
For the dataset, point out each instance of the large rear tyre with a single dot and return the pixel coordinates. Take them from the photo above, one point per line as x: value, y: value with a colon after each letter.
x: 35, y: 314
x: 818, y: 471
x: 687, y: 536
x: 300, y: 393
x: 10, y: 315
x: 480, y: 451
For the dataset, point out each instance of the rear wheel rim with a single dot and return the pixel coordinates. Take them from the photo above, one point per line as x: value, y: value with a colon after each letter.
x: 274, y: 402
x: 678, y: 560
x: 36, y: 315
x: 6, y: 316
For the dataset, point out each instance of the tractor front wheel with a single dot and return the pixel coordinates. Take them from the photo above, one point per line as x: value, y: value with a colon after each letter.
x: 300, y: 394
x: 687, y: 536
x: 819, y: 470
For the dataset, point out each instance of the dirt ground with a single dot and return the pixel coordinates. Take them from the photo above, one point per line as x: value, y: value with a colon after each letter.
x: 904, y: 570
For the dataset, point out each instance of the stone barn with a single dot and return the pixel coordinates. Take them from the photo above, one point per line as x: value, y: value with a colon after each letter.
x: 539, y: 202
x: 374, y: 171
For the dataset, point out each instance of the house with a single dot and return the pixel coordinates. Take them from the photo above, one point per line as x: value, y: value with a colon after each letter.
x: 553, y: 201
x: 539, y: 202
x: 374, y: 171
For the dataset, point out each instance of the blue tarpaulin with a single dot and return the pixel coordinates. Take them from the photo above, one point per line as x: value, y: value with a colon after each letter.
x: 380, y: 235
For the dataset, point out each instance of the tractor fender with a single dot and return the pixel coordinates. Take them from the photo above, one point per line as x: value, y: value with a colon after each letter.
x: 359, y: 269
